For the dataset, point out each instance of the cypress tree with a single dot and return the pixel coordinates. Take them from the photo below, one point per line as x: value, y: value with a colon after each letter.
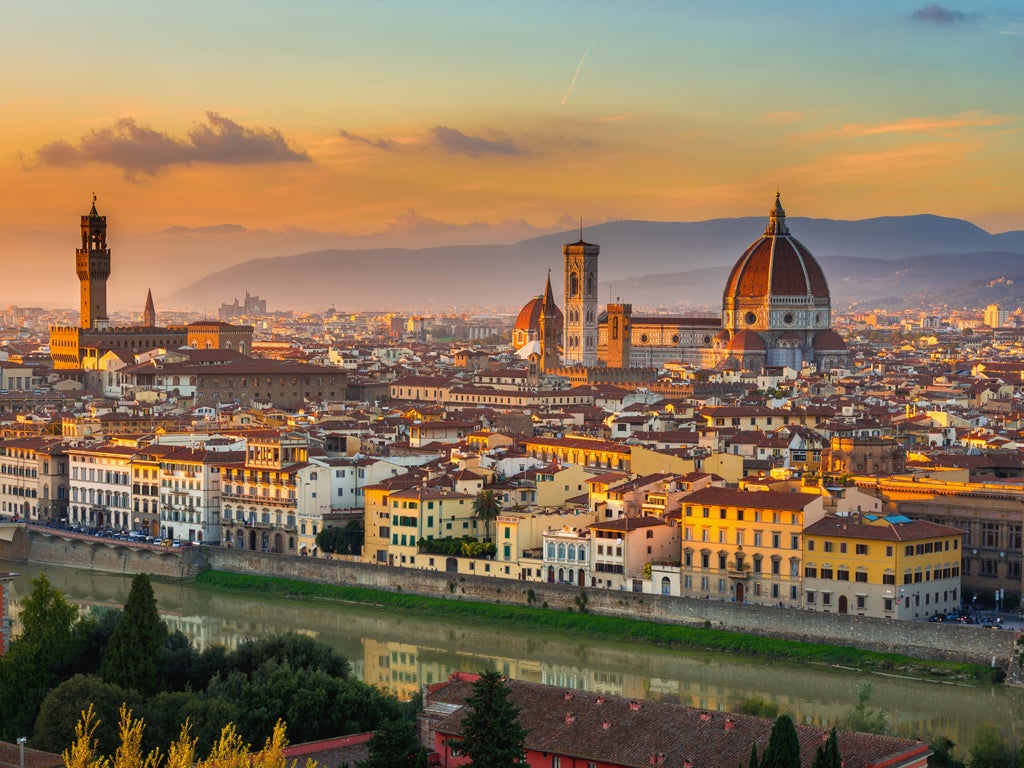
x: 491, y: 734
x: 783, y: 750
x: 135, y: 654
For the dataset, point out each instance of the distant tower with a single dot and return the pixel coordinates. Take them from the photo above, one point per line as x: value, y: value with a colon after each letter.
x: 580, y: 338
x: 619, y: 335
x: 149, y: 313
x: 92, y: 263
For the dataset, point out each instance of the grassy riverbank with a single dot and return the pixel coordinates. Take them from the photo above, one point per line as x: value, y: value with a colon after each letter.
x: 605, y: 627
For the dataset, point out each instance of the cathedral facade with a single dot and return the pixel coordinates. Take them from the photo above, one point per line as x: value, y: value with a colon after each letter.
x: 776, y: 311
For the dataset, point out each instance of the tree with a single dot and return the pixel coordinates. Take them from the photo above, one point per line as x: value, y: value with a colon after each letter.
x: 63, y: 707
x: 990, y: 749
x: 783, y: 750
x: 136, y: 654
x: 52, y: 637
x: 827, y: 754
x: 394, y: 745
x: 343, y: 541
x: 487, y: 507
x: 862, y: 718
x: 942, y: 754
x: 492, y: 736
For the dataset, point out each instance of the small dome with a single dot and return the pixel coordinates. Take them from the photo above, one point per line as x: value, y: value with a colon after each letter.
x: 828, y: 341
x: 746, y: 341
x: 529, y: 315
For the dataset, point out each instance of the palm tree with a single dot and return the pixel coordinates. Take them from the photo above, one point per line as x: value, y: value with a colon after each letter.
x: 487, y: 507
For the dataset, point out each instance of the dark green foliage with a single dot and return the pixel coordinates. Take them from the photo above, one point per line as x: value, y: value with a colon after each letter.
x: 165, y: 712
x: 180, y: 658
x: 136, y: 657
x: 344, y: 541
x: 463, y: 546
x: 991, y: 749
x: 827, y: 754
x: 783, y: 750
x: 96, y: 631
x: 753, y: 762
x: 298, y: 651
x: 302, y: 681
x: 491, y: 734
x: 394, y: 745
x: 52, y: 637
x: 487, y: 507
x: 63, y: 706
x: 755, y: 706
x: 942, y: 754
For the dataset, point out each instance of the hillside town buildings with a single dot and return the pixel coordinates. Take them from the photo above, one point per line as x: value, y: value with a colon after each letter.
x: 784, y: 452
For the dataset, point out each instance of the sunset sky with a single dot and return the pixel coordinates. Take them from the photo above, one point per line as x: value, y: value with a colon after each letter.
x: 494, y: 121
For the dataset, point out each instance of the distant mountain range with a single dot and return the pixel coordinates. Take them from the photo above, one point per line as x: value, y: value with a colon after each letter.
x: 886, y: 262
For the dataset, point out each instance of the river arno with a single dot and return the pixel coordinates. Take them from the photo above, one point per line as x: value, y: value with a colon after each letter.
x: 401, y: 653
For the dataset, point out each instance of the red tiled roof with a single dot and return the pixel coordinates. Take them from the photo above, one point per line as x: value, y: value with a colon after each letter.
x: 591, y: 727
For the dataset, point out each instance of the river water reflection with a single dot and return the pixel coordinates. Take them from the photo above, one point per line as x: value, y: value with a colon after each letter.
x: 402, y: 653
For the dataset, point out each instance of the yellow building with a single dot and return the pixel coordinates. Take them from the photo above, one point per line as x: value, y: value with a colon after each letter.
x: 745, y: 545
x: 888, y: 567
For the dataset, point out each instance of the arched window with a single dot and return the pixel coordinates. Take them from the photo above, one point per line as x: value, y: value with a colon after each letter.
x: 615, y: 328
x: 583, y: 553
x: 551, y: 550
x: 574, y: 284
x: 572, y: 552
x: 561, y: 551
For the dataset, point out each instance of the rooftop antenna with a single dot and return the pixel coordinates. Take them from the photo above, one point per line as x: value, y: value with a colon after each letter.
x: 581, y: 229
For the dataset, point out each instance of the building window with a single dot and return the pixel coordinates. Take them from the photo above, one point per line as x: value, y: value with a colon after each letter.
x: 862, y: 549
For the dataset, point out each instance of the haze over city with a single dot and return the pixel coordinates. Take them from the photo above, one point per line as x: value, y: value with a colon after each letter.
x: 381, y: 124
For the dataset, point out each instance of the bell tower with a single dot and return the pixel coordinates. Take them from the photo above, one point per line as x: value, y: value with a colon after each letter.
x: 92, y: 264
x: 580, y: 338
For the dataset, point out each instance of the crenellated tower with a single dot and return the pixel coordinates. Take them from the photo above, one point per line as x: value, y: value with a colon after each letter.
x: 580, y: 313
x: 92, y: 264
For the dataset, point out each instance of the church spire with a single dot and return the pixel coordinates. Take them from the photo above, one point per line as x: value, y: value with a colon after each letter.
x: 549, y: 297
x: 149, y: 313
x: 777, y: 218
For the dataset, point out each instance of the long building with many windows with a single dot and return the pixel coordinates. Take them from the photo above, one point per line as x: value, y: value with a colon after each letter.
x: 884, y: 566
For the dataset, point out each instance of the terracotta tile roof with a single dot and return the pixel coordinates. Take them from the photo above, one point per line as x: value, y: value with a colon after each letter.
x: 729, y: 497
x: 621, y: 732
x: 912, y: 530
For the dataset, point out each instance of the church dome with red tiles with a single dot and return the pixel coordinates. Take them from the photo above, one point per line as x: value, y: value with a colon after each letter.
x: 746, y: 341
x: 527, y: 326
x: 776, y: 265
x: 829, y: 341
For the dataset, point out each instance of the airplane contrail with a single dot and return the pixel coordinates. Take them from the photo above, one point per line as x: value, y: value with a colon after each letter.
x: 573, y: 83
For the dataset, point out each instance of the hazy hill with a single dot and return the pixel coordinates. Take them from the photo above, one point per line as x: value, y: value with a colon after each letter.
x: 648, y: 263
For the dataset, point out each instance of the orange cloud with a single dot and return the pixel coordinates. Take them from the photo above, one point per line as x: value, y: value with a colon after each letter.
x: 938, y: 125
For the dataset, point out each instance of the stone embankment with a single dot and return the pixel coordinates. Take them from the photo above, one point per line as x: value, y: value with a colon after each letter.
x: 921, y: 640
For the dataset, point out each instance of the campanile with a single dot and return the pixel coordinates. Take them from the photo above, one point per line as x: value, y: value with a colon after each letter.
x: 92, y: 264
x: 580, y: 316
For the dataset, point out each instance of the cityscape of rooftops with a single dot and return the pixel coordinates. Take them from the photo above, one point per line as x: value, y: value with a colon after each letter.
x: 704, y: 315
